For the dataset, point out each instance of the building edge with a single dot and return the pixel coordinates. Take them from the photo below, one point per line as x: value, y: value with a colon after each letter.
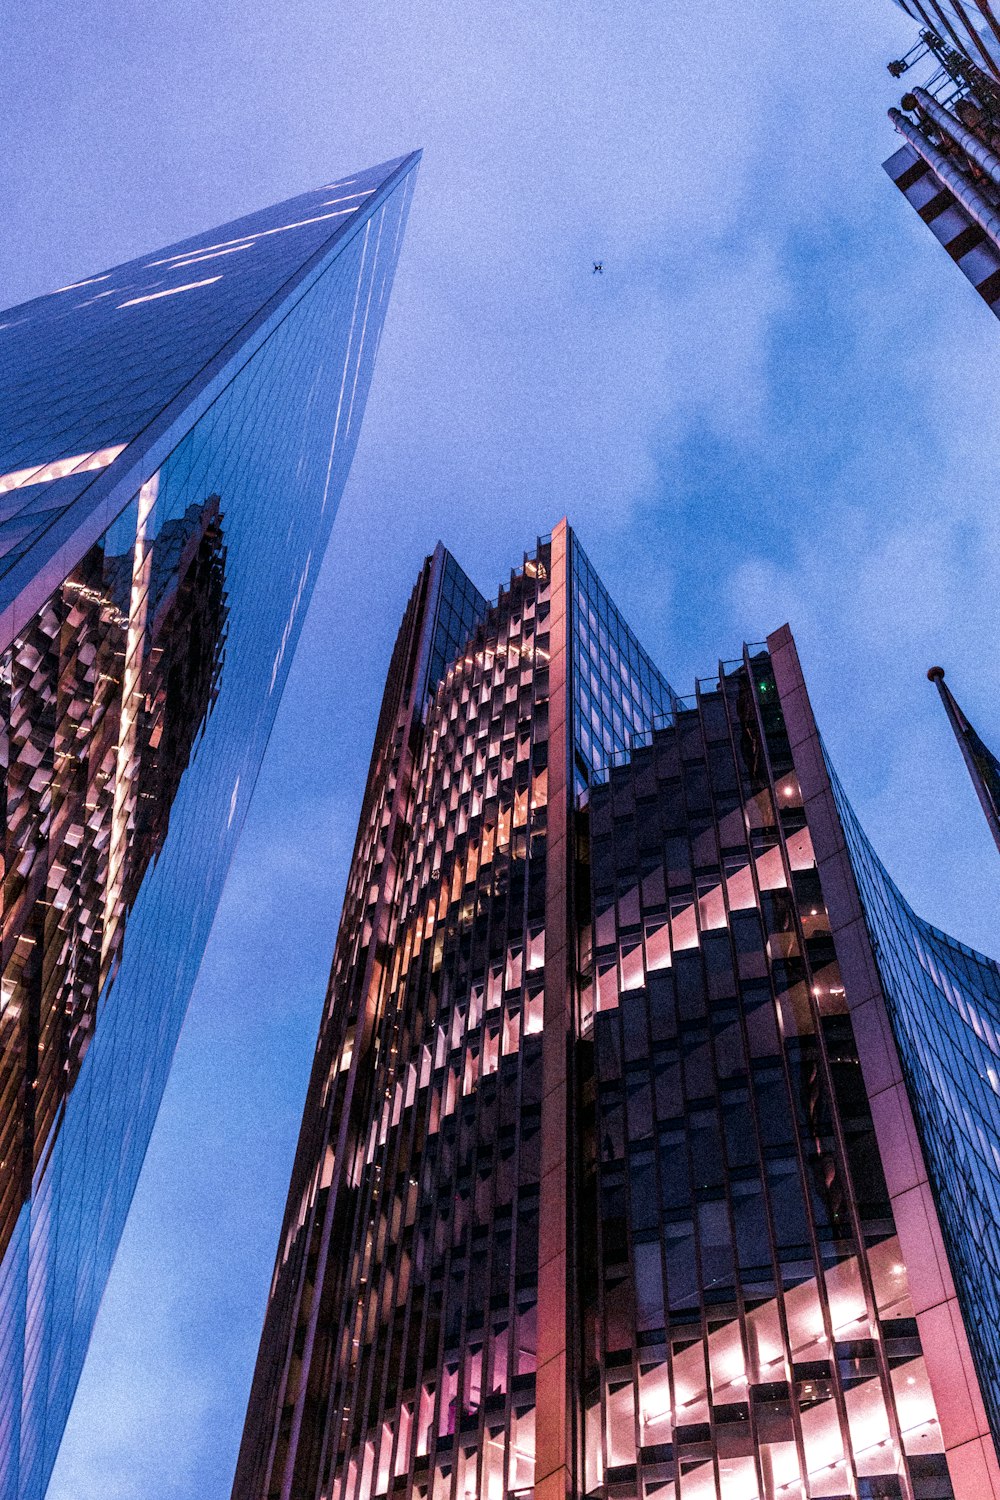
x: 32, y: 580
x: 271, y: 1440
x: 555, y: 1462
x: 558, y: 1474
x: 968, y: 1442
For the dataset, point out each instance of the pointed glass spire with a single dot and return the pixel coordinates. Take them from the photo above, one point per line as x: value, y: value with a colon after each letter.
x: 175, y: 436
x: 100, y: 380
x: 984, y: 768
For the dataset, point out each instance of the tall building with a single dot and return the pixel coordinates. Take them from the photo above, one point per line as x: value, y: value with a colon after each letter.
x: 651, y: 1144
x: 175, y: 435
x: 949, y: 165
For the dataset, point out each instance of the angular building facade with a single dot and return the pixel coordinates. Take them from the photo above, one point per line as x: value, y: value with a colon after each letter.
x: 651, y: 1146
x: 175, y: 435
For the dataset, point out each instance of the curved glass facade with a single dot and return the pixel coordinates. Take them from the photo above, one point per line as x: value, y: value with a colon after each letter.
x: 944, y: 1000
x: 137, y: 701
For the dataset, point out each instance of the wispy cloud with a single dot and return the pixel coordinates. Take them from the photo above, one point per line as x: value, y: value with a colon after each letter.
x: 777, y: 402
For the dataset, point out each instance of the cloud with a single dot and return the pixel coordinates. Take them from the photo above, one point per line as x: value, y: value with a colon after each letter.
x: 777, y: 402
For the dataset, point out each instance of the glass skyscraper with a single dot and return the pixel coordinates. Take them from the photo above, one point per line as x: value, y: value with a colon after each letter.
x: 651, y: 1146
x: 175, y: 435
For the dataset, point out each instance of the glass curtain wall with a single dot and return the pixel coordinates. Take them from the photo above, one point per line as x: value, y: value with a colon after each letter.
x: 748, y: 1328
x: 137, y: 702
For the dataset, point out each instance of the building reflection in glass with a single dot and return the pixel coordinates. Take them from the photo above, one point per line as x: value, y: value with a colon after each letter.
x: 105, y: 695
x: 173, y: 447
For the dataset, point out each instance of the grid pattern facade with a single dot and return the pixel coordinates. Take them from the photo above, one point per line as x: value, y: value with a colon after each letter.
x: 619, y: 692
x: 944, y: 1001
x: 589, y: 1197
x: 99, y: 738
x: 748, y: 1330
x: 137, y: 705
x: 423, y: 1353
x: 460, y: 607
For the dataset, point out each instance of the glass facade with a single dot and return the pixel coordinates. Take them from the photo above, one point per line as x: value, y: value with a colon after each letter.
x: 748, y: 1326
x: 619, y: 694
x: 595, y: 1194
x: 152, y: 603
x: 944, y: 1000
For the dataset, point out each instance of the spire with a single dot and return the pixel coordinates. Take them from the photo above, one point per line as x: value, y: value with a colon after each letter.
x: 984, y: 768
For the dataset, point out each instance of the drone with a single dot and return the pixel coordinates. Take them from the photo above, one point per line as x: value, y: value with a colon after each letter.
x: 598, y: 268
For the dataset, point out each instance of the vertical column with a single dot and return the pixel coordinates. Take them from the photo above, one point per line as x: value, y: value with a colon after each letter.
x: 126, y: 760
x: 553, y: 1418
x: 972, y: 1460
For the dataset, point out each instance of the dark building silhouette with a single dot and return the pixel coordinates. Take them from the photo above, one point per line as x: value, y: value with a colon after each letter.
x: 650, y: 1146
x: 175, y: 434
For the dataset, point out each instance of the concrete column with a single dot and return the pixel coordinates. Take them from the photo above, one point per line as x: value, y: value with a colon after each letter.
x: 553, y: 1416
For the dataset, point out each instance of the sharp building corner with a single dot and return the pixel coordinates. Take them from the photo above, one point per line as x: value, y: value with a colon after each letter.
x: 175, y: 434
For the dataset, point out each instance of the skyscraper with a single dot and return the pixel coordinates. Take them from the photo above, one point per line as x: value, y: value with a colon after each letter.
x: 650, y: 1143
x: 949, y: 166
x: 175, y: 435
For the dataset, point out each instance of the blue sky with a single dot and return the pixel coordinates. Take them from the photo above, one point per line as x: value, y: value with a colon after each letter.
x: 777, y: 403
